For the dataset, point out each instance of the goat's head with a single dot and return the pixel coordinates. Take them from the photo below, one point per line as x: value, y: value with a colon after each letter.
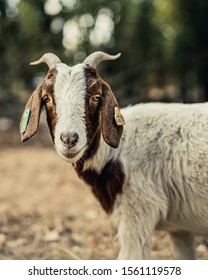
x: 79, y: 106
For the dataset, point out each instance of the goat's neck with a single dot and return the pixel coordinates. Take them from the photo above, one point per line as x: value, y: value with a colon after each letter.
x: 95, y: 157
x: 105, y: 176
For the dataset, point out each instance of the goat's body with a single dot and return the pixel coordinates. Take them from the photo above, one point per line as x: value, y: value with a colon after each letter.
x: 164, y: 155
x: 150, y: 174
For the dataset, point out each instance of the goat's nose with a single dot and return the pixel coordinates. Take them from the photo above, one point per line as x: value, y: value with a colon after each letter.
x: 69, y: 139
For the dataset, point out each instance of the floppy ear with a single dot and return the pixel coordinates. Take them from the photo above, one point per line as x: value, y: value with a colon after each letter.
x: 111, y: 119
x: 30, y: 118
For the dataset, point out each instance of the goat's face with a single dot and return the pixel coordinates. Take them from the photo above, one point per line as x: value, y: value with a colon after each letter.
x: 79, y: 107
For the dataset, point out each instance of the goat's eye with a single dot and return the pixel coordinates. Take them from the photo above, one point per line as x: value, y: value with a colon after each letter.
x: 46, y: 99
x: 96, y: 97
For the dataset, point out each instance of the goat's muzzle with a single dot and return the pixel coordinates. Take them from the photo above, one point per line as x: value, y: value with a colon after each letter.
x: 69, y: 139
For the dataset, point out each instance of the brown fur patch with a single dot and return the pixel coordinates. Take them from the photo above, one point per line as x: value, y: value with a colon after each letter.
x: 44, y: 91
x: 34, y: 105
x: 106, y: 185
x: 109, y: 183
x: 111, y: 131
x: 99, y: 113
x: 92, y: 107
x: 48, y: 92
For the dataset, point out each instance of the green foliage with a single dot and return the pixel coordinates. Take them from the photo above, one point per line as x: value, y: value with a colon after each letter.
x: 190, y: 59
x: 163, y: 43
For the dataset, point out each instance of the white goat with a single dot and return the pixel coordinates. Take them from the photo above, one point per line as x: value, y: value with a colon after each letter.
x: 156, y: 178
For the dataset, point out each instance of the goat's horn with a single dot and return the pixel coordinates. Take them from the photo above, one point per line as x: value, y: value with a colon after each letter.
x: 49, y: 58
x: 95, y: 58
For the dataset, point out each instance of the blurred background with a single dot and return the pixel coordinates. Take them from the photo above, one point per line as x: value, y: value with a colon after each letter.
x: 164, y: 46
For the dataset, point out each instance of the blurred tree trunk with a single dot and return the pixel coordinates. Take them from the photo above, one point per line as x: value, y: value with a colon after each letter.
x: 191, y: 48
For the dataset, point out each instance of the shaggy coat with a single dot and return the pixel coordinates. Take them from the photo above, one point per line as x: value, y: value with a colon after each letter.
x: 151, y: 173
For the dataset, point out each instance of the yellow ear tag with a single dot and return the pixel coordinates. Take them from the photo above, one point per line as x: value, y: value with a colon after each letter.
x: 118, y: 117
x: 25, y: 121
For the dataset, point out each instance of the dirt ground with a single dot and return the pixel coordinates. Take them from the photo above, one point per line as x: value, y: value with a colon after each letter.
x: 47, y: 212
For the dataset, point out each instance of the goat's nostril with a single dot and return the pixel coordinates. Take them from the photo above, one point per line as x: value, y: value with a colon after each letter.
x: 69, y: 139
x: 63, y: 137
x: 74, y: 138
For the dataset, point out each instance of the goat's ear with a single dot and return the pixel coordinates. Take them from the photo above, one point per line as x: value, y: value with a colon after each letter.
x: 111, y: 119
x: 30, y: 118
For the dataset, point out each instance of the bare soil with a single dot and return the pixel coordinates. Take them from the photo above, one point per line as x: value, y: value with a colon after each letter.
x: 47, y: 212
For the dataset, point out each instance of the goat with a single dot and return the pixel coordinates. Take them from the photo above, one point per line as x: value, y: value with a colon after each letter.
x: 149, y: 174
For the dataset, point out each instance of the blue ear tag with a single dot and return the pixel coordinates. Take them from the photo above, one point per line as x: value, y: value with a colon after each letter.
x: 25, y: 120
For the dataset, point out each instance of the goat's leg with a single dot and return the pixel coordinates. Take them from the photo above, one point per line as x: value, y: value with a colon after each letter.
x: 137, y: 216
x: 134, y: 250
x: 183, y: 245
x: 135, y: 239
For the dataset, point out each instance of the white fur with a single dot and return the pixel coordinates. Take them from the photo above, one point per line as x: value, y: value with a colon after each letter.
x: 70, y: 91
x: 164, y: 153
